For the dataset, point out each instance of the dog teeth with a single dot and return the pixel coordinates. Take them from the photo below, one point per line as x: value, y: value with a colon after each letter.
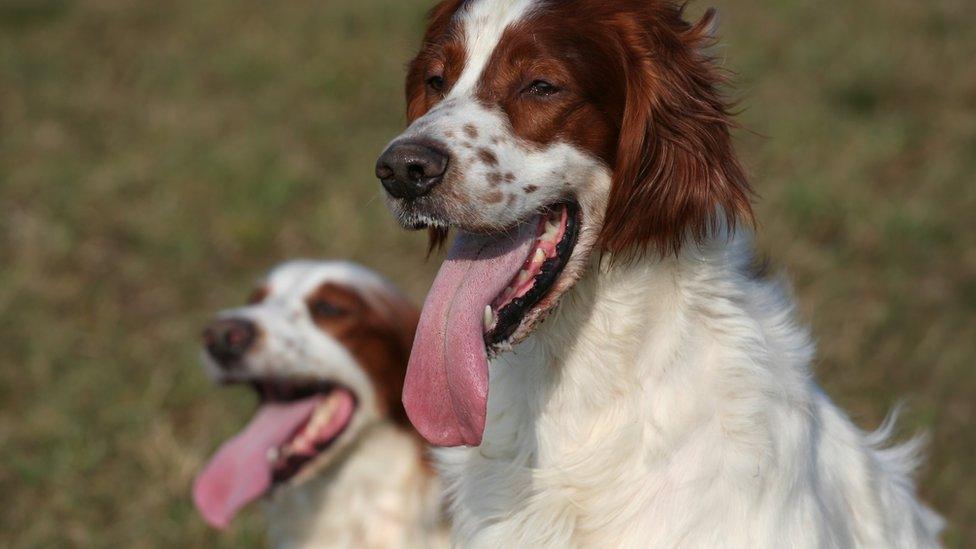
x: 539, y: 257
x: 489, y: 317
x: 321, y: 417
x: 523, y: 277
x: 273, y: 455
x: 552, y: 229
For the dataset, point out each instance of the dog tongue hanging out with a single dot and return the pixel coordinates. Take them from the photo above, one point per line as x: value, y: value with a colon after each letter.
x: 483, y: 288
x: 580, y: 152
x: 325, y: 345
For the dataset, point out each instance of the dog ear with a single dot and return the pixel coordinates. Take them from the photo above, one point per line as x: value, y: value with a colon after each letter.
x: 676, y: 176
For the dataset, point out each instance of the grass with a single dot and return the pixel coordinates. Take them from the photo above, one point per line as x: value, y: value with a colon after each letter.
x: 156, y: 157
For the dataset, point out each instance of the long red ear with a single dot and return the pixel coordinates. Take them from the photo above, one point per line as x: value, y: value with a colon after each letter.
x: 676, y: 175
x: 402, y: 317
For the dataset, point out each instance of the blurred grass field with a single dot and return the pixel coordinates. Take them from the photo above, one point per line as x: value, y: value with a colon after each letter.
x: 156, y: 157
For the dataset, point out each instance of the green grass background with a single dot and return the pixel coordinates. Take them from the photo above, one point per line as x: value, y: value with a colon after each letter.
x: 155, y: 157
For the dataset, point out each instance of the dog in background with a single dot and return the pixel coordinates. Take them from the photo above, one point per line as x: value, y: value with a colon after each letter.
x: 581, y: 150
x: 325, y: 346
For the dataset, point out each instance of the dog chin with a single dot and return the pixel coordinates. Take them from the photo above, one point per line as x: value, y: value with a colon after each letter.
x: 415, y: 217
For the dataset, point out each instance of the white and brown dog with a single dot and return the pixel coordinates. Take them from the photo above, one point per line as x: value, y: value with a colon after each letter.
x: 581, y: 150
x: 325, y: 345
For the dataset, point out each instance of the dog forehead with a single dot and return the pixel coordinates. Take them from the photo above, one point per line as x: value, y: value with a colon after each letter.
x: 300, y: 278
x: 484, y: 23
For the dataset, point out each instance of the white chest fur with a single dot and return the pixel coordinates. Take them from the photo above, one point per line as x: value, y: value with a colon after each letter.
x: 669, y: 404
x: 379, y: 496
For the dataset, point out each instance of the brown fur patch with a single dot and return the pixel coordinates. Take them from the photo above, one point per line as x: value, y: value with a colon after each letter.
x: 436, y: 238
x: 380, y: 338
x: 634, y: 87
x: 471, y: 131
x: 258, y: 295
x: 529, y: 189
x: 443, y: 55
x: 488, y: 157
x: 494, y: 197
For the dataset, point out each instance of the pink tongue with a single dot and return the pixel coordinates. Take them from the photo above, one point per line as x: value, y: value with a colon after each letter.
x: 446, y: 388
x: 241, y: 472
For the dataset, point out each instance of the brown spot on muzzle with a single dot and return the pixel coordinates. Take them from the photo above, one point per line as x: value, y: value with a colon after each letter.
x: 488, y: 157
x: 636, y: 89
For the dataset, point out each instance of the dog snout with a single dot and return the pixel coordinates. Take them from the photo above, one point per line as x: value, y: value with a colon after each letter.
x: 227, y: 340
x: 411, y: 169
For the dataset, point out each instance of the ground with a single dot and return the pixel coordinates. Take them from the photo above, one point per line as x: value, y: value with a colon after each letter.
x: 156, y: 157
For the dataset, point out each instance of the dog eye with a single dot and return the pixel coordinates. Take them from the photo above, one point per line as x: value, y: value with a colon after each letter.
x: 436, y: 83
x: 322, y: 309
x: 541, y: 88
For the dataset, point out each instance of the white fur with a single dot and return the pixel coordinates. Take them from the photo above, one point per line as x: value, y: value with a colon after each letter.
x: 483, y: 24
x: 378, y: 497
x: 489, y: 201
x: 670, y: 404
x: 665, y: 403
x: 371, y: 489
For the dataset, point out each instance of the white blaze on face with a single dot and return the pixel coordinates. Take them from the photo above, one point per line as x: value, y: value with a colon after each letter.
x: 484, y: 22
x: 291, y: 345
x: 509, y: 168
x: 495, y: 178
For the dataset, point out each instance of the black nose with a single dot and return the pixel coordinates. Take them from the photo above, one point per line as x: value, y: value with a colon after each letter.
x: 227, y: 340
x: 410, y: 169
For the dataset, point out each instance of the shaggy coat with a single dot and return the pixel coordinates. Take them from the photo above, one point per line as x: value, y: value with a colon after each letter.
x: 667, y: 399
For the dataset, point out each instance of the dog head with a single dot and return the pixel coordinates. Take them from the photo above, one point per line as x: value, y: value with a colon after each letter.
x: 543, y: 131
x: 325, y: 346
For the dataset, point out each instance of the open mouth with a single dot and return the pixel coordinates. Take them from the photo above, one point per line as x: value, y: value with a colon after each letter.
x: 328, y: 419
x: 295, y: 423
x: 558, y: 230
x: 488, y: 294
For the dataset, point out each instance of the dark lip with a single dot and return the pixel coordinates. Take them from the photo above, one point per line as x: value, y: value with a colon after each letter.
x: 511, y: 315
x: 281, y: 389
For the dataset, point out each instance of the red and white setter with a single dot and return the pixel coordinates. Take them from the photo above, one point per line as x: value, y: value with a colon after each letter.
x: 581, y: 151
x: 325, y: 345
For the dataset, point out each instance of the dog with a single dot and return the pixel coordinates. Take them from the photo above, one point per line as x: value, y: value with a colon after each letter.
x: 597, y: 349
x: 325, y: 345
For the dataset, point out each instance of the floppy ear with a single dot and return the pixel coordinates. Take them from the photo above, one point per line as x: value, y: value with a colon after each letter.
x: 402, y: 317
x: 676, y: 176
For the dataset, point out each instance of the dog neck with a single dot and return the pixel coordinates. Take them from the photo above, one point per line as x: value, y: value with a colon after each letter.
x: 382, y: 493
x: 637, y: 329
x: 644, y: 365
